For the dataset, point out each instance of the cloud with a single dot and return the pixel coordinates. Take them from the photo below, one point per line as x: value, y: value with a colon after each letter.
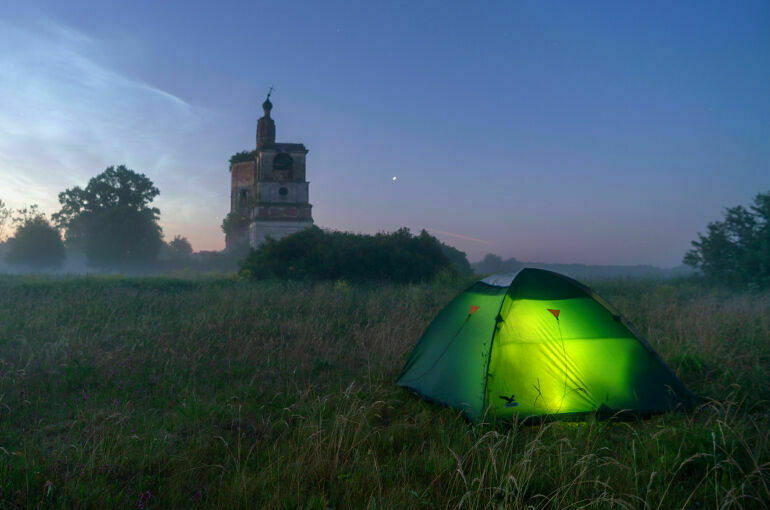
x: 65, y: 116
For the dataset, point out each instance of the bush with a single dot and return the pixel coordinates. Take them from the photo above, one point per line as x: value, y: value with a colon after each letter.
x: 458, y: 259
x: 313, y: 254
x: 36, y: 244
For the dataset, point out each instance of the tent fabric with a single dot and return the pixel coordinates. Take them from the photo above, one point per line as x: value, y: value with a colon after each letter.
x: 537, y: 343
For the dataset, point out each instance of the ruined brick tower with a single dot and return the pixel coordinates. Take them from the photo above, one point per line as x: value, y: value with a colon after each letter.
x: 269, y: 192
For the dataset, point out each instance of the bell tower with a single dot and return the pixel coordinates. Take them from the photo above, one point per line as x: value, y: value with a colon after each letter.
x: 270, y: 191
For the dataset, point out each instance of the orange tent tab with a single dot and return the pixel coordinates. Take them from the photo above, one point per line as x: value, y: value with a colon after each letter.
x: 554, y: 312
x: 473, y: 309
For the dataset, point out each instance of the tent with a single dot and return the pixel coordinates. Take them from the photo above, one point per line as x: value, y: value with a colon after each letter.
x: 538, y: 343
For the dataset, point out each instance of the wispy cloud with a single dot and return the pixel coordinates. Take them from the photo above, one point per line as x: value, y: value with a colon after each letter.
x: 65, y: 116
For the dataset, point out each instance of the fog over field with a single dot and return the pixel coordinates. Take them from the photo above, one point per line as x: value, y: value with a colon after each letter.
x: 246, y: 253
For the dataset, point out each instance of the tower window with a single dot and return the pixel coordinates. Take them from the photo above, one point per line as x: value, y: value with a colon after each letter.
x: 282, y: 161
x: 243, y: 198
x: 283, y: 192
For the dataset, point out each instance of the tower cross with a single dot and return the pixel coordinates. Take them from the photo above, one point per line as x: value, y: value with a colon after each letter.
x: 269, y: 91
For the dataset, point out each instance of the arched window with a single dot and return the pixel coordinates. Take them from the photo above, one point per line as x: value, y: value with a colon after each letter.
x: 282, y: 165
x: 282, y: 161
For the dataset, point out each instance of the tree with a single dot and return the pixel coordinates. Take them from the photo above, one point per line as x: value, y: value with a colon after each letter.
x: 5, y: 219
x: 737, y: 249
x: 179, y: 248
x: 234, y: 222
x: 111, y: 220
x: 458, y: 259
x: 36, y: 243
x: 492, y: 263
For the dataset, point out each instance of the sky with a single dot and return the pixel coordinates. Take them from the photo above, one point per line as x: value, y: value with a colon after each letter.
x: 566, y: 132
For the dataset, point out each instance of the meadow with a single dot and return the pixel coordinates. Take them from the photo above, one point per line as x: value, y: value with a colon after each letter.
x: 121, y: 392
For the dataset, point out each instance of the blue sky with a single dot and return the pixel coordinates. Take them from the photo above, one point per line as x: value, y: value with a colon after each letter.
x: 593, y: 132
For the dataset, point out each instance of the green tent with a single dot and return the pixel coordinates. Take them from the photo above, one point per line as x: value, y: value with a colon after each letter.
x: 538, y: 343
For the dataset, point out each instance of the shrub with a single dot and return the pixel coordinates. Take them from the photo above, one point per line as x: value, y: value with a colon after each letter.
x: 314, y: 254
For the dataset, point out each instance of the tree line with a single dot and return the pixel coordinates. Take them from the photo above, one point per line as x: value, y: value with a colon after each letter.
x: 113, y: 224
x: 110, y: 221
x: 736, y: 250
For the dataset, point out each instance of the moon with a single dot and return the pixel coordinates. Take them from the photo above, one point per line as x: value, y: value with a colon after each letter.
x: 394, y: 178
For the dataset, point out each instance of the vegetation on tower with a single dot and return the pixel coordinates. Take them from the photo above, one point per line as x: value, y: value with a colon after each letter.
x: 242, y: 157
x: 234, y: 222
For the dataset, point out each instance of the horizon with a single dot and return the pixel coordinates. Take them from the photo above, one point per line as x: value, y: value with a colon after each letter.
x: 559, y: 134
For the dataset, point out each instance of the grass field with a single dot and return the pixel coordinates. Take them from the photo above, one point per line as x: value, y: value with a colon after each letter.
x: 215, y: 393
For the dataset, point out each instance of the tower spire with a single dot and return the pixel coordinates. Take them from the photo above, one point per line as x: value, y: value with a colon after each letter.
x: 266, y: 125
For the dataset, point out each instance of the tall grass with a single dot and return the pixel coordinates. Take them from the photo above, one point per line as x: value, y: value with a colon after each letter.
x: 214, y: 393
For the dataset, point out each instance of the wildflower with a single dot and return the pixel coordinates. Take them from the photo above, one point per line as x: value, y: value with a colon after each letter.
x: 144, y: 498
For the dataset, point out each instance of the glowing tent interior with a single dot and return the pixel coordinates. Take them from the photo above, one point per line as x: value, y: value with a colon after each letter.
x: 538, y: 343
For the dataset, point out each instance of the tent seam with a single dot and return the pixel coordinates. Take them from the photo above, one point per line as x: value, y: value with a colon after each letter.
x: 625, y: 322
x: 492, y: 343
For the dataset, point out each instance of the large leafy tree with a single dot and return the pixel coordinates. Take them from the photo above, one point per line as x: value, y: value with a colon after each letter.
x: 111, y: 219
x: 36, y: 244
x: 736, y: 249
